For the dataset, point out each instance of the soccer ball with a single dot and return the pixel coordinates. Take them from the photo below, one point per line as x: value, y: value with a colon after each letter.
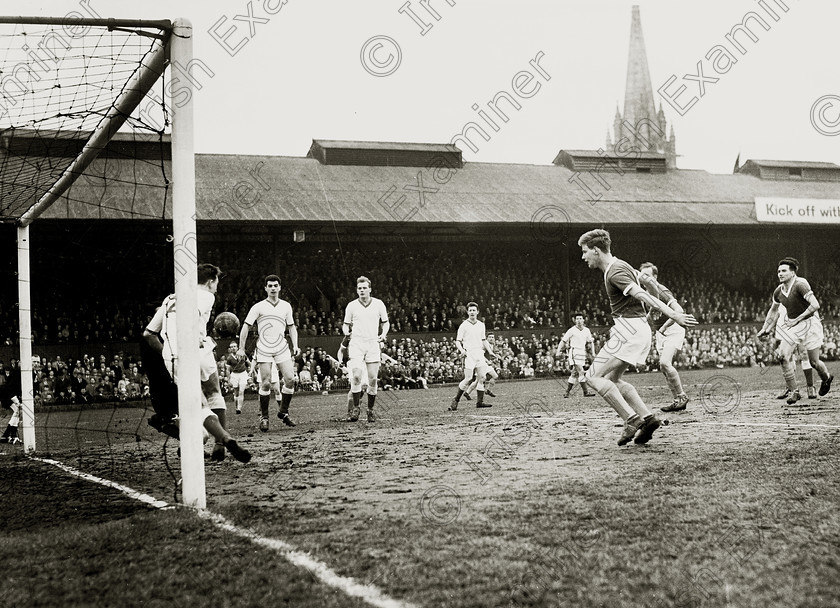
x: 226, y: 324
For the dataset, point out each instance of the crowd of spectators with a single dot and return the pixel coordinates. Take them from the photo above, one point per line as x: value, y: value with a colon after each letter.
x: 518, y: 286
x: 84, y: 381
x: 420, y: 363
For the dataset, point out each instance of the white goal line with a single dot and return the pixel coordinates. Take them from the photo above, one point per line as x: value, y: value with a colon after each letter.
x: 367, y: 593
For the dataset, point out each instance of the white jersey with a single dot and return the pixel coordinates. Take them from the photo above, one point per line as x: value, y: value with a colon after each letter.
x: 364, y: 320
x: 163, y: 323
x: 271, y: 321
x: 472, y: 336
x: 577, y: 339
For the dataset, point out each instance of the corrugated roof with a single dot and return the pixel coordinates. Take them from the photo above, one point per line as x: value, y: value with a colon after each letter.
x: 804, y: 164
x: 292, y: 189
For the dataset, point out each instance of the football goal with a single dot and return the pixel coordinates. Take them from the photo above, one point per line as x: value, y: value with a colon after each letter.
x: 90, y: 129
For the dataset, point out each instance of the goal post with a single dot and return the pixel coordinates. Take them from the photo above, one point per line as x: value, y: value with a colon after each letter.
x: 186, y: 280
x: 68, y: 86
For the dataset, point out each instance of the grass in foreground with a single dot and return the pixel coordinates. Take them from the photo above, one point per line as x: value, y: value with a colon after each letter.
x: 719, y: 510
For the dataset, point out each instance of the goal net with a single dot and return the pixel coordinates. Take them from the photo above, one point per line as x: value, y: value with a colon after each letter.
x: 93, y: 151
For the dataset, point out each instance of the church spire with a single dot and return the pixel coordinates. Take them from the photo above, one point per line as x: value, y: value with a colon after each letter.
x: 638, y: 92
x: 641, y: 126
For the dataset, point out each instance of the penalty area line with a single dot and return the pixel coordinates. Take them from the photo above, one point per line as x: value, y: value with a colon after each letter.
x: 368, y: 593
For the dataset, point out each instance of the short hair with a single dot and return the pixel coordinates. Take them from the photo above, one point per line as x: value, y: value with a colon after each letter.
x: 207, y: 273
x: 792, y: 262
x: 469, y: 304
x: 652, y: 267
x: 578, y: 314
x: 597, y: 238
x: 233, y: 344
x: 270, y: 278
x: 364, y: 279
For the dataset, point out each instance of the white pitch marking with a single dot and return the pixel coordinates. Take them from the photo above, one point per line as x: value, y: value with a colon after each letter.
x: 783, y: 424
x: 368, y: 593
x: 144, y: 498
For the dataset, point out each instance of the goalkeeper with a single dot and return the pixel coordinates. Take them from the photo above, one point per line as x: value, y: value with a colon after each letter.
x: 159, y: 353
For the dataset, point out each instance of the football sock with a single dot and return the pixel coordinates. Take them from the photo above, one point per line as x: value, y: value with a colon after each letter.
x: 458, y: 395
x: 790, y: 380
x: 609, y: 391
x: 264, y: 401
x: 371, y: 399
x: 284, y: 405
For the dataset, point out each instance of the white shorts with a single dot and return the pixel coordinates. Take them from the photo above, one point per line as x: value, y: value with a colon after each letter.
x: 576, y: 358
x: 673, y: 338
x: 630, y: 341
x: 239, y: 380
x: 363, y: 351
x: 206, y: 358
x: 808, y: 333
x: 278, y: 357
x: 475, y: 360
x: 275, y: 375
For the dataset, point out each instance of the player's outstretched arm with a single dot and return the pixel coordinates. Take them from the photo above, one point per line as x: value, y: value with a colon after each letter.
x: 770, y: 320
x: 684, y: 319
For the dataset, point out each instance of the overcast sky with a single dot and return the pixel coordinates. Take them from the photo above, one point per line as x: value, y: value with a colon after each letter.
x: 294, y: 73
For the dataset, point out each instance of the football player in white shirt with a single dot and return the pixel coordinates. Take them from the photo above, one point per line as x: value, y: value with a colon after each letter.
x: 276, y: 385
x: 471, y: 341
x: 492, y: 375
x: 580, y: 343
x: 159, y: 351
x: 273, y: 317
x: 343, y: 359
x: 366, y: 324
